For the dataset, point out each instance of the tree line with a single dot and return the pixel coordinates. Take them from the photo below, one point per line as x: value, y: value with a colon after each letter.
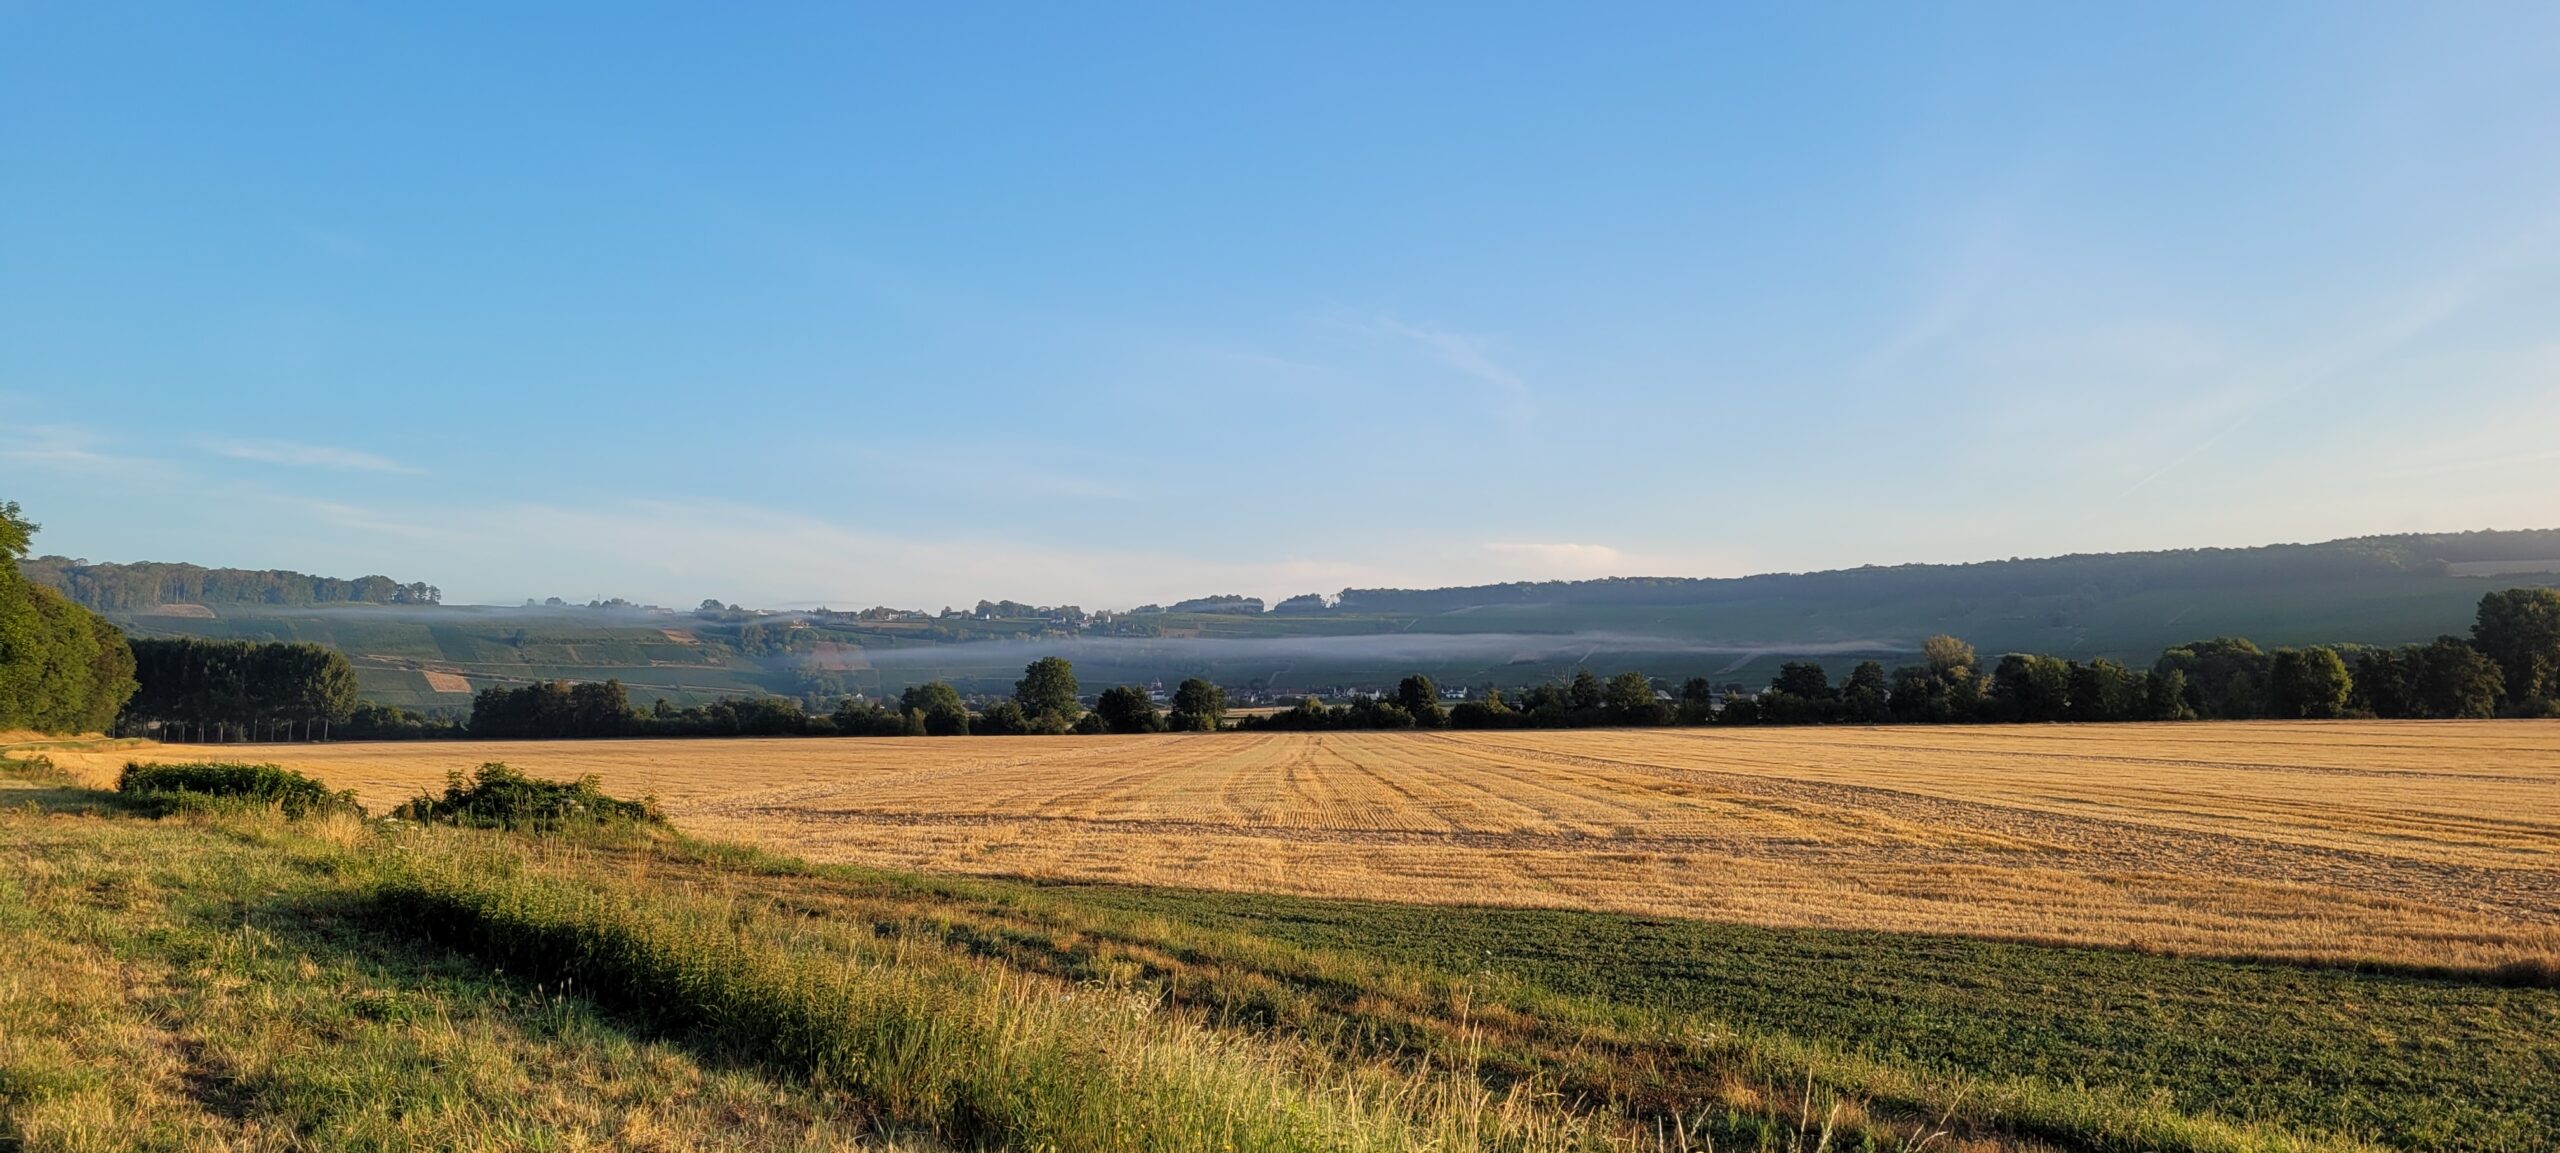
x: 128, y: 587
x: 2510, y: 664
x: 63, y: 668
x: 1046, y: 700
x: 194, y: 689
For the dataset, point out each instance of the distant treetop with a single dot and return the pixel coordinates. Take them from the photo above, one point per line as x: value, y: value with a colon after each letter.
x: 148, y: 584
x: 1227, y: 603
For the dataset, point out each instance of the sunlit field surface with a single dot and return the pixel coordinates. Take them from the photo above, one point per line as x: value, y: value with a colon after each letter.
x: 2422, y: 843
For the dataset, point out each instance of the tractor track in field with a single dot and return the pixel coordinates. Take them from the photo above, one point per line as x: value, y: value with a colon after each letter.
x: 2103, y: 845
x: 2003, y: 835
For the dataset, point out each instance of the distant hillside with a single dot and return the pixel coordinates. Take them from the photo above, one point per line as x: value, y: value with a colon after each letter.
x: 2124, y: 606
x: 2104, y: 574
x: 149, y: 584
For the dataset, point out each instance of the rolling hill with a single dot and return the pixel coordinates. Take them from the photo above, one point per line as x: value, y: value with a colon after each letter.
x: 2128, y: 606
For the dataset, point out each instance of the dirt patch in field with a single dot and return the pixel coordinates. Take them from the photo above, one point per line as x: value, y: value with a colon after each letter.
x: 446, y: 682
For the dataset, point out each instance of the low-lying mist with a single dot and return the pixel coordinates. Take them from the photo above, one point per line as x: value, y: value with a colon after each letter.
x: 1407, y: 648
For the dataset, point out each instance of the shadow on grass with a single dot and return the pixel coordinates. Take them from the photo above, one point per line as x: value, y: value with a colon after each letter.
x: 45, y: 792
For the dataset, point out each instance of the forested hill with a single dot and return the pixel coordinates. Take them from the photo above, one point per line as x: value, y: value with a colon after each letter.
x: 2090, y: 574
x: 144, y: 585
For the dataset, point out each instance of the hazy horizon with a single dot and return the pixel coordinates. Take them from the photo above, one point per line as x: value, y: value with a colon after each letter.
x: 814, y: 306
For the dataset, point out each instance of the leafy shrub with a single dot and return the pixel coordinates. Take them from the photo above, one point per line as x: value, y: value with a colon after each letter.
x: 497, y: 797
x: 168, y: 788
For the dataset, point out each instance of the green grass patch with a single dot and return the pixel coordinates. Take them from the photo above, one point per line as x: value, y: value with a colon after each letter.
x: 2411, y: 1061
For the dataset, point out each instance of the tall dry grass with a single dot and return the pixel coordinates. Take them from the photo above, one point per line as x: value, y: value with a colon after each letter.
x: 935, y: 1042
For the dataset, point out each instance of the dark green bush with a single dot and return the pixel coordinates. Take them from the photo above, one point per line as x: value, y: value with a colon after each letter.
x: 498, y: 797
x: 167, y: 788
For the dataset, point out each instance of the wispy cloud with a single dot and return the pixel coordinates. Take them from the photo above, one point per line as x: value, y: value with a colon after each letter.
x: 63, y: 446
x: 2412, y: 319
x: 1466, y: 353
x: 296, y: 455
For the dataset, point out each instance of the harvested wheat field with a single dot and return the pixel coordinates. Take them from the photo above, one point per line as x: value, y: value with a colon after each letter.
x: 2428, y: 843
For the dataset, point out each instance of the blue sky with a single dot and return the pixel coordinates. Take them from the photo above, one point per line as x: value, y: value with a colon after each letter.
x: 790, y: 305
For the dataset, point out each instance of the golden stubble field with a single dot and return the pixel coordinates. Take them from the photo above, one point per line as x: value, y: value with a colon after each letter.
x: 2418, y: 842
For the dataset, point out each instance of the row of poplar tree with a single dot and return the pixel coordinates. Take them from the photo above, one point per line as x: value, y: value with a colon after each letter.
x: 214, y: 690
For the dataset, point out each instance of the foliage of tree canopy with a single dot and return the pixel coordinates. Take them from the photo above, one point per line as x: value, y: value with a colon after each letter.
x: 195, y: 689
x: 940, y: 707
x: 1199, y: 706
x: 63, y: 669
x: 2520, y: 630
x: 1047, y: 694
x: 1127, y: 709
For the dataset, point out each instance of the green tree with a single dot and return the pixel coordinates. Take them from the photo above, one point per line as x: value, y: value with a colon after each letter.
x: 17, y: 533
x: 62, y: 668
x: 1944, y: 656
x: 1199, y: 706
x: 1629, y: 698
x: 1417, y: 696
x: 2165, y: 697
x: 2103, y: 690
x: 1000, y: 719
x: 1803, y: 680
x: 1865, y: 697
x: 2226, y: 676
x: 1486, y: 711
x: 2382, y: 683
x: 111, y: 681
x: 2032, y: 687
x: 2452, y: 679
x: 1047, y: 691
x: 2520, y: 630
x: 2308, y: 683
x: 1126, y: 709
x: 63, y: 655
x: 936, y: 707
x: 1583, y: 693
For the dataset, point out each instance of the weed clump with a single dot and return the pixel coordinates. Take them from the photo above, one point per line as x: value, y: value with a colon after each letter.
x: 33, y: 767
x: 498, y: 797
x: 165, y: 789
